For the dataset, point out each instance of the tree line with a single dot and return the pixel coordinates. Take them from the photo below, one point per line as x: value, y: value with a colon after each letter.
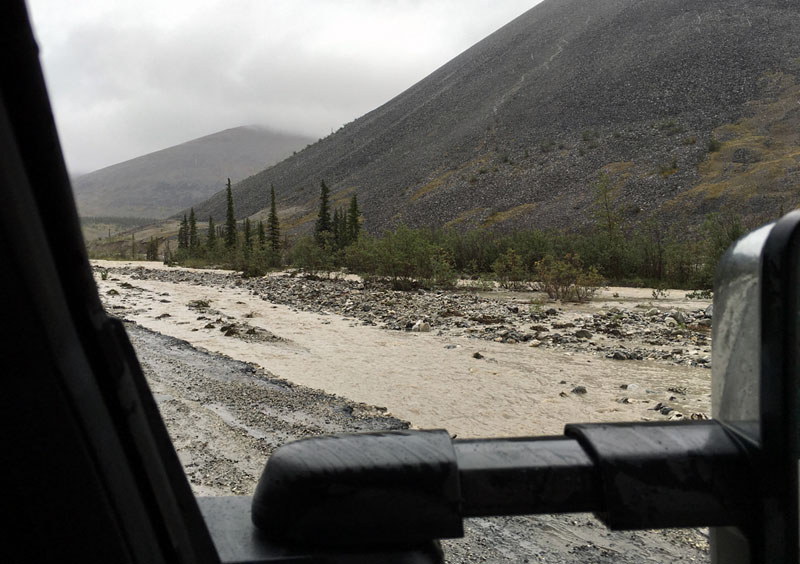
x: 650, y: 253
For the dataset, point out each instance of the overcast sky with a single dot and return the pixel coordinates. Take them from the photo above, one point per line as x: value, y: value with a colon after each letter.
x: 128, y: 78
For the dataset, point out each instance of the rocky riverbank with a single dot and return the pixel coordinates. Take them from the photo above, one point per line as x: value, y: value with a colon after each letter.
x: 650, y: 329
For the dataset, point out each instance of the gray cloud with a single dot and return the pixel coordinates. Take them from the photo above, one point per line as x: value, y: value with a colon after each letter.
x: 130, y: 78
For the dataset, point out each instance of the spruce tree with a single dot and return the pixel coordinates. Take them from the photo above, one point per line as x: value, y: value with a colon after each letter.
x: 342, y: 233
x: 353, y: 220
x: 262, y: 236
x: 167, y: 253
x: 194, y: 243
x: 183, y: 234
x: 273, y: 225
x: 336, y: 223
x: 248, y: 235
x: 230, y: 221
x: 152, y: 249
x: 322, y: 229
x: 211, y: 238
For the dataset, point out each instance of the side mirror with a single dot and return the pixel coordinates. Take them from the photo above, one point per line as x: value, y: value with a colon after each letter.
x: 755, y: 374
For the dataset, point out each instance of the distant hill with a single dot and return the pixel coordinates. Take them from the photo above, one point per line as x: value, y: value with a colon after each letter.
x: 160, y: 184
x: 689, y: 107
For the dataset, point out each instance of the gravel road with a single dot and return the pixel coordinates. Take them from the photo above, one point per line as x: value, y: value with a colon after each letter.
x: 225, y: 417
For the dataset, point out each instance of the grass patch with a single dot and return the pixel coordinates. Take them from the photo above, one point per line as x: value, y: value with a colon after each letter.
x: 769, y: 133
x: 434, y: 184
x: 464, y: 217
x: 500, y: 217
x: 670, y: 127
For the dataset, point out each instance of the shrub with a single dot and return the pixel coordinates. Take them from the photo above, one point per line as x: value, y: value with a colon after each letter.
x: 660, y: 292
x: 309, y: 257
x: 510, y: 270
x: 699, y: 295
x: 443, y: 274
x: 567, y: 279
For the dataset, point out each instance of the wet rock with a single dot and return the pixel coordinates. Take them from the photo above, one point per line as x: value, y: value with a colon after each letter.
x: 580, y: 390
x: 421, y: 327
x: 677, y: 316
x: 487, y: 319
x: 477, y: 355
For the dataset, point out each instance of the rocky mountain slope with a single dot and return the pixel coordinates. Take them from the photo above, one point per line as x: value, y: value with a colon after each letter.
x: 688, y: 107
x: 164, y: 182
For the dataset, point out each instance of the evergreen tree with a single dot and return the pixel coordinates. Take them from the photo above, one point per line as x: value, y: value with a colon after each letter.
x: 336, y: 228
x: 230, y: 221
x: 183, y: 234
x: 353, y: 220
x: 152, y: 249
x: 322, y: 229
x: 211, y: 239
x: 167, y: 253
x: 262, y: 236
x: 273, y: 226
x: 194, y: 242
x: 248, y: 235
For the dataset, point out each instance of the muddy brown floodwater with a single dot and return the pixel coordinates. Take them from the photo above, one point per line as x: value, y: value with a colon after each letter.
x: 236, y: 375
